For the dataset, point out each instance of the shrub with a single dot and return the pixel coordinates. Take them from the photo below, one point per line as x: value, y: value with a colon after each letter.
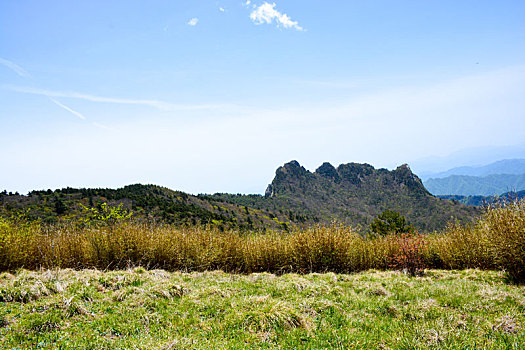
x: 460, y: 247
x: 104, y: 215
x: 504, y: 226
x: 409, y: 258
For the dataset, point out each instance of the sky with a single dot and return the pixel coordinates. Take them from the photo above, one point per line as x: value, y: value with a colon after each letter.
x: 213, y: 96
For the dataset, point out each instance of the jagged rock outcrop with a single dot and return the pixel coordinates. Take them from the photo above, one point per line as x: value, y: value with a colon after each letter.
x: 355, y: 193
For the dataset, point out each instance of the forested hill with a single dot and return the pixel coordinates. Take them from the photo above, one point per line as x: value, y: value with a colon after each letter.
x: 147, y: 202
x: 352, y: 193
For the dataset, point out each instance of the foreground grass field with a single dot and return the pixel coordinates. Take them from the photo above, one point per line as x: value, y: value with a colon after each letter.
x: 139, y: 309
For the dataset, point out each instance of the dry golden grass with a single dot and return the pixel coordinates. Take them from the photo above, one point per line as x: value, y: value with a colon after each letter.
x: 504, y: 227
x: 496, y: 241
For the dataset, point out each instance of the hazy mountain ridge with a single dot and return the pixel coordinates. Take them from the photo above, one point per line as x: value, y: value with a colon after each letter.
x: 490, y: 185
x: 504, y: 166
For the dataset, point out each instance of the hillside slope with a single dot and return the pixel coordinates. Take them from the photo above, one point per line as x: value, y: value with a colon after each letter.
x: 147, y: 202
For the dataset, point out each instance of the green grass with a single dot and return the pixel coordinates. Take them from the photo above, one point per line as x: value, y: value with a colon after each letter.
x: 140, y: 309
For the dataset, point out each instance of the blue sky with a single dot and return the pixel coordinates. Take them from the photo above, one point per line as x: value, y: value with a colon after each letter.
x: 212, y: 96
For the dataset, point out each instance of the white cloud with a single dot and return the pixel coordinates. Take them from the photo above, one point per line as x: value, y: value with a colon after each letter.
x: 75, y: 113
x: 221, y: 9
x: 193, y: 22
x: 15, y: 68
x: 266, y: 13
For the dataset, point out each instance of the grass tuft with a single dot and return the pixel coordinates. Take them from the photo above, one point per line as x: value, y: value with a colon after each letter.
x: 202, y: 310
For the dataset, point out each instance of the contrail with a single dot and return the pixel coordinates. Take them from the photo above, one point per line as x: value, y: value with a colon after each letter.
x: 101, y: 126
x: 165, y: 106
x: 15, y: 68
x: 78, y: 114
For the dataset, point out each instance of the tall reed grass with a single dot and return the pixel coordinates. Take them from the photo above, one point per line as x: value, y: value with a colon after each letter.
x: 496, y: 241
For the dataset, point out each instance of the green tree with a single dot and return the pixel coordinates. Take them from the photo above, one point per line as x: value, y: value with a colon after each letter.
x: 390, y: 221
x: 60, y: 207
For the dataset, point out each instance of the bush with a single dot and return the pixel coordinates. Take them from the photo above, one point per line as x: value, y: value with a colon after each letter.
x: 461, y: 247
x: 504, y: 227
x: 409, y: 258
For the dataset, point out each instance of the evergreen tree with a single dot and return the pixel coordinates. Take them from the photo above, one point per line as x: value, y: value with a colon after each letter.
x: 60, y: 207
x: 390, y: 222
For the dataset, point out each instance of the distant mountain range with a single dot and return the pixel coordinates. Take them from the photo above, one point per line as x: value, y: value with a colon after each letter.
x: 352, y: 193
x: 486, y: 200
x: 427, y: 167
x: 475, y: 185
x: 505, y: 166
x: 489, y: 180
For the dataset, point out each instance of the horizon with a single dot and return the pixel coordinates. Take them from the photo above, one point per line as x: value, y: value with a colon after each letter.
x: 423, y: 177
x: 213, y: 97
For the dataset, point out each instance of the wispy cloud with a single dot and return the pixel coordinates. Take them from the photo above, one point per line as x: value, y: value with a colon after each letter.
x: 193, y: 22
x: 161, y: 105
x: 266, y: 13
x: 72, y: 111
x: 15, y: 68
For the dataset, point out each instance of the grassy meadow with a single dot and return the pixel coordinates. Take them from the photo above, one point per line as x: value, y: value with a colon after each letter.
x: 117, y: 283
x: 155, y: 309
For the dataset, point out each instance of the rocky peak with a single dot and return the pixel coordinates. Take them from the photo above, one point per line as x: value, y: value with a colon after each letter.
x: 355, y: 173
x: 327, y: 170
x: 403, y: 172
x: 292, y: 167
x: 294, y: 178
x: 356, y: 193
x: 286, y: 175
x: 404, y: 175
